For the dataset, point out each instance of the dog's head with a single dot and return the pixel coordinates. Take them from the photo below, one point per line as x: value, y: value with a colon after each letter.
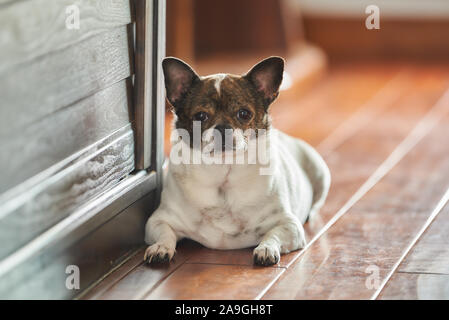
x: 224, y: 104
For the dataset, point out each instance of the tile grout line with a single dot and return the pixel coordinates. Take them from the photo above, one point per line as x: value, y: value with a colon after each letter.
x: 443, y: 201
x: 272, y: 282
x: 420, y: 130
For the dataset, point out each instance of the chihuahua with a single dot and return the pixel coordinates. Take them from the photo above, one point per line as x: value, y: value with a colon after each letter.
x: 231, y: 205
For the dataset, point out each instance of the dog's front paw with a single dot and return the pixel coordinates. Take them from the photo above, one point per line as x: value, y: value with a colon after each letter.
x: 266, y: 255
x: 158, y: 253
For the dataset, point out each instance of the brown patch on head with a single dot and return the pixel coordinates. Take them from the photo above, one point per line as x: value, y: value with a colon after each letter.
x: 237, y: 102
x: 238, y: 93
x: 235, y: 94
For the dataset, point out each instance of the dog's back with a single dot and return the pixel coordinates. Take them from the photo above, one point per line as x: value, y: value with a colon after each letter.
x: 312, y: 164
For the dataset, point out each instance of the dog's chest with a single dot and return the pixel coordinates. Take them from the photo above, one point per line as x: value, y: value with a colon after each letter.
x: 227, y: 202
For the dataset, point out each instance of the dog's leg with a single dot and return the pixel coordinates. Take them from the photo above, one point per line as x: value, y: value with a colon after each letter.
x: 162, y: 240
x: 283, y: 238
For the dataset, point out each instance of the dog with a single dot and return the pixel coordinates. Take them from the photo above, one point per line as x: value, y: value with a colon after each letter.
x: 234, y: 205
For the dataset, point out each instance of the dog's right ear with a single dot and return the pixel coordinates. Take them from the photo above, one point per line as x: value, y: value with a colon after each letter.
x: 179, y: 77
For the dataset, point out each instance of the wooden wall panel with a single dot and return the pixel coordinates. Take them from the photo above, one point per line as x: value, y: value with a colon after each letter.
x: 69, y: 193
x: 33, y: 91
x: 43, y: 276
x: 27, y: 215
x: 32, y: 28
x: 34, y: 148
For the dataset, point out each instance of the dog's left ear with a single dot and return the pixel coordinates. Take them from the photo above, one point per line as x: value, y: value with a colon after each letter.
x: 266, y: 77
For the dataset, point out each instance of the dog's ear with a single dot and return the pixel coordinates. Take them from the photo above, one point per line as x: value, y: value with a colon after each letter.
x: 266, y: 77
x: 179, y: 77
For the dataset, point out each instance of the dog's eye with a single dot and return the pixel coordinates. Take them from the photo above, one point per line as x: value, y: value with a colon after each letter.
x: 200, y: 116
x: 244, y: 114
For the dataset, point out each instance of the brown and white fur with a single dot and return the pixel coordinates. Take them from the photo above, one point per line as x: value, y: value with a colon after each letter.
x: 230, y: 206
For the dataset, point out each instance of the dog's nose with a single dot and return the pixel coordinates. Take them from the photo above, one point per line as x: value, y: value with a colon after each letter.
x: 225, y: 131
x: 222, y: 129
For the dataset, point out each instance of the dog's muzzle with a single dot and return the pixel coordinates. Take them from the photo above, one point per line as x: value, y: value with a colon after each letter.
x: 223, y: 137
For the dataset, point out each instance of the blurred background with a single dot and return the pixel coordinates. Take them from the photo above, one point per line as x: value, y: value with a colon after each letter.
x: 316, y: 37
x: 201, y: 30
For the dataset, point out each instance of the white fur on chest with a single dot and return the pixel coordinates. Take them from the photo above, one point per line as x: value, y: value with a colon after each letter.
x: 221, y: 202
x: 233, y: 206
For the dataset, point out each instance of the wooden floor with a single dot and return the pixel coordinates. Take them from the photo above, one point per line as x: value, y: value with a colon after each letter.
x: 383, y: 129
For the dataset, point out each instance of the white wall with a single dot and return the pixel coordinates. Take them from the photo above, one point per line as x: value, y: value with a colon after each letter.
x: 388, y: 8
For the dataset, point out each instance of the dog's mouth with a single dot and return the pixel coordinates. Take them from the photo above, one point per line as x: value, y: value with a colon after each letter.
x: 215, y: 142
x: 215, y: 149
